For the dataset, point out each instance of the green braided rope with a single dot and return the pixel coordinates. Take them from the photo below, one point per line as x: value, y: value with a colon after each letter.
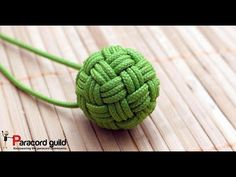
x: 116, y: 87
x: 28, y: 90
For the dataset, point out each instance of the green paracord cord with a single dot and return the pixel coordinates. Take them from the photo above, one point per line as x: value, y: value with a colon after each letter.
x: 28, y: 90
x: 116, y: 87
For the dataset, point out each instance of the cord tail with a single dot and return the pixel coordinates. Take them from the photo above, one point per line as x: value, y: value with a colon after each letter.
x: 40, y: 52
x: 36, y: 94
x: 27, y: 89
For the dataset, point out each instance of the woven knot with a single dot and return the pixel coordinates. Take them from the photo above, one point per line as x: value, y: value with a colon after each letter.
x: 117, y: 88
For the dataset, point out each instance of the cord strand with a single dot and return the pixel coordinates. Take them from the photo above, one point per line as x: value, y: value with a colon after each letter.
x: 27, y: 89
x: 40, y: 52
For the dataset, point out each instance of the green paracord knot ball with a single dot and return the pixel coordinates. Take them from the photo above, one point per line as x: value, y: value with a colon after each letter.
x: 116, y: 87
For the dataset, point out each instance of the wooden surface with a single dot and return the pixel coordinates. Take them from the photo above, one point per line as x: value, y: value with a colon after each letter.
x: 197, y: 104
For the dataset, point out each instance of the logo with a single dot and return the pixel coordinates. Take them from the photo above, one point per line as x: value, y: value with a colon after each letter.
x: 20, y: 144
x: 5, y: 138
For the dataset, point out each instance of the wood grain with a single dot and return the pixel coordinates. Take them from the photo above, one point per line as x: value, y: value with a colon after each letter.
x: 196, y: 109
